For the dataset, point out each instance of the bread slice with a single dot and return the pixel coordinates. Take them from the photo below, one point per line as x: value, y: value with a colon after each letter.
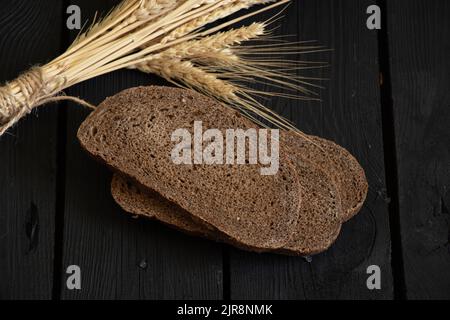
x: 342, y: 168
x: 131, y: 133
x: 320, y: 214
x: 143, y: 202
x: 347, y: 174
x: 314, y: 234
x: 317, y: 228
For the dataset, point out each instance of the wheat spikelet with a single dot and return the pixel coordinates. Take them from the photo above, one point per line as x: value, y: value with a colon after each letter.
x: 148, y: 9
x: 192, y: 77
x: 222, y: 59
x: 232, y: 37
x: 219, y: 13
x: 215, y: 44
x: 151, y: 8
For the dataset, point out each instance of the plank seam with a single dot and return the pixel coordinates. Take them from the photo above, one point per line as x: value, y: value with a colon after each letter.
x: 60, y: 177
x: 390, y: 155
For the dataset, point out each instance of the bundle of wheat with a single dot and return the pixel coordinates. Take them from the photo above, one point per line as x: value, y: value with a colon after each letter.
x: 168, y: 38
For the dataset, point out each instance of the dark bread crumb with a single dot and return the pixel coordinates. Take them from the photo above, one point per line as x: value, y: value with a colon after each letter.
x: 348, y: 175
x: 147, y: 203
x: 319, y: 220
x: 341, y: 167
x: 131, y: 132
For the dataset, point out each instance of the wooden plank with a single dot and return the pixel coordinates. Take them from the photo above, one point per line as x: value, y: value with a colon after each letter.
x: 421, y: 97
x: 119, y: 257
x: 28, y: 156
x: 349, y: 114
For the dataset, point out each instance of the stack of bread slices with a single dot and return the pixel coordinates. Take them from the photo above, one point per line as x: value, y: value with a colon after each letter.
x: 297, y: 211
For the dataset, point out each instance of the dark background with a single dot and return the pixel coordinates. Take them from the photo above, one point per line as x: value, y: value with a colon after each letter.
x: 387, y: 100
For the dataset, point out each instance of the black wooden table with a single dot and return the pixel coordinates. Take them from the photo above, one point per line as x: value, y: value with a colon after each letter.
x: 387, y: 100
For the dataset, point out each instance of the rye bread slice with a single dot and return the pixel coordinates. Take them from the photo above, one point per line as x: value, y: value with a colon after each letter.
x: 342, y: 168
x: 320, y: 213
x: 314, y: 233
x: 348, y: 175
x: 131, y: 133
x: 143, y: 202
x: 317, y: 228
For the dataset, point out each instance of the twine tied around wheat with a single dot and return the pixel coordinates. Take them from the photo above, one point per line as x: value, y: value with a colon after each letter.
x: 30, y: 90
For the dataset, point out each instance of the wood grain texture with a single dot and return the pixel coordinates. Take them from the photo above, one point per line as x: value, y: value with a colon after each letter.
x: 120, y: 257
x: 123, y: 258
x: 420, y: 68
x: 28, y: 156
x: 349, y: 114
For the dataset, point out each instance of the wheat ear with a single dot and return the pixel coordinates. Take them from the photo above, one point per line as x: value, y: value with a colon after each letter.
x: 184, y: 72
x: 214, y: 44
x: 219, y: 13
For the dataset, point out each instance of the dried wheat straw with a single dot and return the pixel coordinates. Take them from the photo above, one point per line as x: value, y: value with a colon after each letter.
x: 142, y: 34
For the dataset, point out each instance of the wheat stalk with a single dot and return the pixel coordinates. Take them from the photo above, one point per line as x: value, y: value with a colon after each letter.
x: 142, y: 34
